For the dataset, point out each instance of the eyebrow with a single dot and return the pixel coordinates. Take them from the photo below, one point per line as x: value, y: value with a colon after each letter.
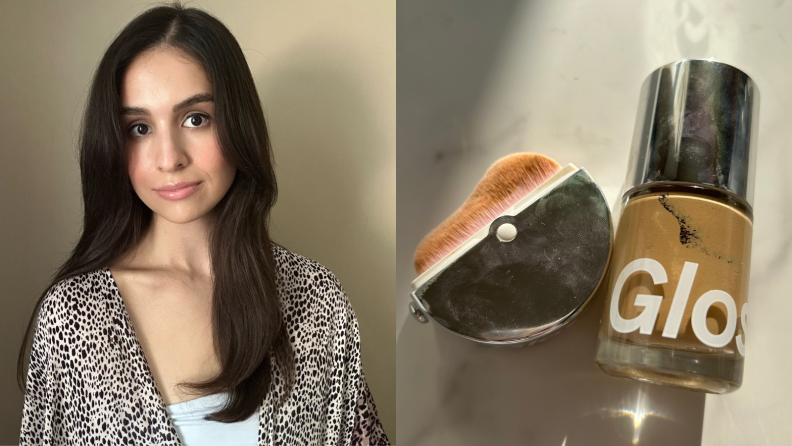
x: 192, y: 100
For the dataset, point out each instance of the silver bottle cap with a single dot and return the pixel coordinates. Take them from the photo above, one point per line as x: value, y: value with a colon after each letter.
x: 697, y: 123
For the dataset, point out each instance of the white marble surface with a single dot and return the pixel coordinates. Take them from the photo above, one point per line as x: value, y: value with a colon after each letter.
x: 479, y: 80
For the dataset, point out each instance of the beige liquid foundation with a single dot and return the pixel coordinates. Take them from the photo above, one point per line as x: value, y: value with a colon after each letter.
x: 677, y: 305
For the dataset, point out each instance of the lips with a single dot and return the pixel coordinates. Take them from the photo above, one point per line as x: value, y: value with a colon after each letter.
x: 177, y: 186
x: 178, y: 191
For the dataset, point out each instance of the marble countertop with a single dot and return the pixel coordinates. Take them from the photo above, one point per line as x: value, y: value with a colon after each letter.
x: 479, y: 80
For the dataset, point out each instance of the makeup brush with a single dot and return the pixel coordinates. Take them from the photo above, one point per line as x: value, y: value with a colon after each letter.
x: 520, y: 259
x: 507, y: 181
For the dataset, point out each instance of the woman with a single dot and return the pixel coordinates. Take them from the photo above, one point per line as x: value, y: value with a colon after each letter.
x: 176, y: 320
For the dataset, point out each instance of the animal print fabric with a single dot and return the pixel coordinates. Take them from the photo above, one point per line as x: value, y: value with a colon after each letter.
x: 88, y: 381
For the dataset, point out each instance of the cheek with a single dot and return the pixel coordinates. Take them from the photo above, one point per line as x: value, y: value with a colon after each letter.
x: 139, y: 169
x: 213, y: 162
x: 135, y: 168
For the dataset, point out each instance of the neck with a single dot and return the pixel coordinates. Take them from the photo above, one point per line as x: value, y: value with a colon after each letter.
x: 178, y: 247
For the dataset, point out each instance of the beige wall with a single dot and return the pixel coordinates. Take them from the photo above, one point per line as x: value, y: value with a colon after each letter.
x: 326, y: 74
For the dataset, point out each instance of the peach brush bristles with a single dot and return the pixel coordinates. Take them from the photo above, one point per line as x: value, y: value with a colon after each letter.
x: 507, y: 181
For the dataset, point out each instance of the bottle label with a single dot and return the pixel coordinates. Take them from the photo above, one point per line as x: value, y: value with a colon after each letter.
x: 679, y: 274
x: 646, y: 321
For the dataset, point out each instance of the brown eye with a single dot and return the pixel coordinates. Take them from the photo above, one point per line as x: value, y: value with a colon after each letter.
x: 139, y: 129
x: 196, y: 120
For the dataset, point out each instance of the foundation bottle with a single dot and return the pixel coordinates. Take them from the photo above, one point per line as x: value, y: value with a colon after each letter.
x: 677, y: 299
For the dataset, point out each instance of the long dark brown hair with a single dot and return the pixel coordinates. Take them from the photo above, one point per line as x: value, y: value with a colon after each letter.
x: 249, y: 332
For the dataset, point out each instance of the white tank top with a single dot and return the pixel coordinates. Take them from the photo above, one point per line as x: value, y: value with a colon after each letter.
x: 193, y: 430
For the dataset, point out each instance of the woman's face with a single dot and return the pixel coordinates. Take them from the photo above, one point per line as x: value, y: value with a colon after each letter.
x: 171, y: 138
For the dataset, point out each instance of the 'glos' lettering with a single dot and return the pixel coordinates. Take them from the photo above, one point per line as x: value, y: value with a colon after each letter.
x: 646, y: 321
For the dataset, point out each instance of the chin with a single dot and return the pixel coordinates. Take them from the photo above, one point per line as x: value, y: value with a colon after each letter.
x: 181, y: 221
x: 181, y: 216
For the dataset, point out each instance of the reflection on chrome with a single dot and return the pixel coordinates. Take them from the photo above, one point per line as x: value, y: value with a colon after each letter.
x: 637, y: 410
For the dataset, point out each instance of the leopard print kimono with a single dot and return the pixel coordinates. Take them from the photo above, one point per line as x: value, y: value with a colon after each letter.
x: 89, y: 384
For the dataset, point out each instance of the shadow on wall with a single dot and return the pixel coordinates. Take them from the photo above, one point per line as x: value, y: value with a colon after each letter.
x: 335, y: 171
x: 455, y: 392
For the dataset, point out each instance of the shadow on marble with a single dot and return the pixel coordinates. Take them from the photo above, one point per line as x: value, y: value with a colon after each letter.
x: 451, y: 391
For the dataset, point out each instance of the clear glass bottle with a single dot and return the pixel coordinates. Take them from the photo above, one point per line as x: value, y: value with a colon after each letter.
x: 677, y: 301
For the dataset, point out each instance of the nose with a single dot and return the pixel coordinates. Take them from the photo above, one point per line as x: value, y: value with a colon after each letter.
x: 171, y: 153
